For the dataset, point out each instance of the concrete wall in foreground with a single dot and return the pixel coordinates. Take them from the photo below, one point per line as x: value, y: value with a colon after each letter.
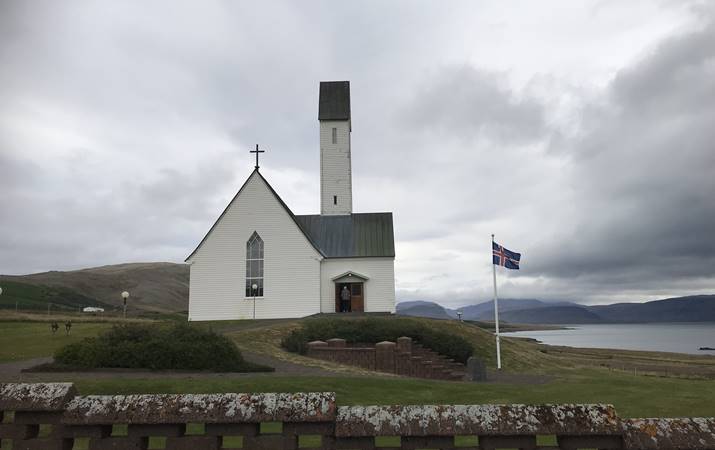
x: 431, y: 426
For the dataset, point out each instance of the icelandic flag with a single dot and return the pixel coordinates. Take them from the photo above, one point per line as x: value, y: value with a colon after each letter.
x: 504, y: 257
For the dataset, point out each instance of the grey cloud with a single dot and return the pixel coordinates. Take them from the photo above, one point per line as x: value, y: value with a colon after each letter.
x: 124, y: 131
x: 645, y: 174
x: 467, y: 102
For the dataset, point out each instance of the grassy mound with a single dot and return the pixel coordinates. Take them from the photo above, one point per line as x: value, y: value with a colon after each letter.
x: 26, y: 296
x: 372, y: 330
x: 139, y: 346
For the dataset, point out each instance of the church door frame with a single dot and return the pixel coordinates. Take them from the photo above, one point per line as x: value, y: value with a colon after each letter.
x: 357, y: 296
x: 356, y: 283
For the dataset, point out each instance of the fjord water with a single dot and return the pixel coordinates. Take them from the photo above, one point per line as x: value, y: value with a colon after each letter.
x: 658, y: 337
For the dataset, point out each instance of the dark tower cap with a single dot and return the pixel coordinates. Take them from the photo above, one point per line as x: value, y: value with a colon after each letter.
x: 334, y: 103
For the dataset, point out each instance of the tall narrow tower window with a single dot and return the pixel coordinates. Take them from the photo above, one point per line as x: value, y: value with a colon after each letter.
x: 335, y: 199
x: 335, y: 135
x: 254, y: 265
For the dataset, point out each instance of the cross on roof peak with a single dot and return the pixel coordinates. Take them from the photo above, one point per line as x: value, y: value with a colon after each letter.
x: 256, y: 151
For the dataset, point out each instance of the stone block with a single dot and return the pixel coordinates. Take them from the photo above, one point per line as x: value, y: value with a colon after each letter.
x: 148, y: 409
x: 194, y: 443
x: 336, y: 342
x: 404, y: 344
x: 35, y: 396
x: 385, y: 356
x: 43, y: 444
x: 232, y: 429
x: 495, y: 420
x: 169, y: 430
x: 495, y: 442
x: 119, y: 443
x: 271, y: 442
x: 476, y: 369
x: 317, y: 344
x: 89, y: 431
x: 37, y: 417
x: 576, y: 442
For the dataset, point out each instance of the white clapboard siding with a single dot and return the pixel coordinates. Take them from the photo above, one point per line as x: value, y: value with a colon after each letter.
x: 335, y: 168
x: 218, y: 267
x: 379, y: 289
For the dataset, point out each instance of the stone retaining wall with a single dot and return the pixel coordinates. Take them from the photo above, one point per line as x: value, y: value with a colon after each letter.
x: 402, y: 358
x: 28, y: 408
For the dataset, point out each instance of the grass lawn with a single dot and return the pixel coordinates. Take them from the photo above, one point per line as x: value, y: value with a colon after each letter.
x: 25, y: 340
x: 633, y: 396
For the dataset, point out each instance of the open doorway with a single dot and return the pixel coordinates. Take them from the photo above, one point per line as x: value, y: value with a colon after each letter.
x: 349, y: 297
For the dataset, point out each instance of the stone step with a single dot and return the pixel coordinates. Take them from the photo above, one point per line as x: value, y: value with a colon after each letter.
x: 456, y: 376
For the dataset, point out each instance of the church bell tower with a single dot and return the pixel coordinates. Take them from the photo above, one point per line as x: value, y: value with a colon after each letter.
x: 336, y: 190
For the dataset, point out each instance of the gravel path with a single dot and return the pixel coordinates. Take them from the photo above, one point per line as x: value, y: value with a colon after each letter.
x: 13, y: 372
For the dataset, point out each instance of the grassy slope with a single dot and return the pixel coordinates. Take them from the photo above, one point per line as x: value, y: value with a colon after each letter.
x: 517, y: 354
x: 22, y: 340
x: 160, y: 287
x: 574, y: 383
x: 633, y: 396
x: 36, y: 297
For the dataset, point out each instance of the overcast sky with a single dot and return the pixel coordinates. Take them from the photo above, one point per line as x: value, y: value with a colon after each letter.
x: 581, y: 133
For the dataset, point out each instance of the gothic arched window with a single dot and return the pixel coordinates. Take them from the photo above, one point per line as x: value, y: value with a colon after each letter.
x: 254, y: 265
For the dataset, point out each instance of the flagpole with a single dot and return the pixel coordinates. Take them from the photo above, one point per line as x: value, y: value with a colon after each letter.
x: 496, y: 307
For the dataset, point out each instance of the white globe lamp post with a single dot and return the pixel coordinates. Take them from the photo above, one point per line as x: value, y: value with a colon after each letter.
x: 125, y: 296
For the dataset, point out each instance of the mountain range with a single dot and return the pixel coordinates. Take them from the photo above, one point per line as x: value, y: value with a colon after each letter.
x: 159, y: 287
x: 162, y: 287
x: 696, y: 308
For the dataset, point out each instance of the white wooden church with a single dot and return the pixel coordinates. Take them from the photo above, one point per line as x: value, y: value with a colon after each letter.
x: 297, y: 265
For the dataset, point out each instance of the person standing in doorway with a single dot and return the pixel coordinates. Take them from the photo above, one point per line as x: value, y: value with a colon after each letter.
x: 345, y: 299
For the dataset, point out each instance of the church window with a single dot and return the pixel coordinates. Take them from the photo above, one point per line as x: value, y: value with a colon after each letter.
x: 356, y: 289
x: 254, y: 265
x: 335, y: 135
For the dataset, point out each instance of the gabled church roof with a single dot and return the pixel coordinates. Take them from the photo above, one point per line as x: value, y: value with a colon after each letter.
x: 275, y: 194
x: 352, y: 235
x: 335, y: 236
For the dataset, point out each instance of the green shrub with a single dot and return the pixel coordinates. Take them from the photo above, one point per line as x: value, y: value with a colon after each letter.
x: 372, y: 330
x: 138, y: 346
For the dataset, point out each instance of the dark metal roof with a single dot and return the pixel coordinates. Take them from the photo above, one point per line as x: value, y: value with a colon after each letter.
x: 353, y: 235
x: 334, y: 103
x: 343, y: 236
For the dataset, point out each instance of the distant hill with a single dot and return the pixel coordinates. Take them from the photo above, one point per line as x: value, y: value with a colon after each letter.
x: 485, y: 310
x: 552, y: 315
x: 28, y: 296
x: 697, y: 308
x: 423, y: 309
x: 157, y: 287
x: 479, y: 312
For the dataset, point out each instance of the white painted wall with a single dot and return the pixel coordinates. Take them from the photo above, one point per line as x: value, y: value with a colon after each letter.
x: 291, y: 264
x: 335, y: 168
x: 379, y: 289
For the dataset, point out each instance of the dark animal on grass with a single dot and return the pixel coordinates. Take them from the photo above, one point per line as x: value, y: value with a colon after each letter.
x: 54, y: 327
x: 68, y: 327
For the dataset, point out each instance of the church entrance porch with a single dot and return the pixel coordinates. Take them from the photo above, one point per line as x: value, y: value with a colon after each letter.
x: 349, y: 297
x: 349, y: 292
